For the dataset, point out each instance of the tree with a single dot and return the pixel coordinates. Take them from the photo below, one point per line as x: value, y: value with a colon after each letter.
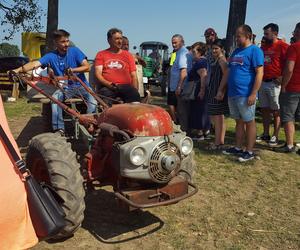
x: 237, y: 16
x: 7, y: 49
x: 52, y: 23
x: 19, y: 14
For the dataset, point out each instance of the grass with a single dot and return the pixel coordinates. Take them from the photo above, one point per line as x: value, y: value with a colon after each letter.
x: 239, y: 206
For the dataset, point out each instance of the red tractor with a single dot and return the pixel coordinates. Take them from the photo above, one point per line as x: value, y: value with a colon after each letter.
x: 135, y: 148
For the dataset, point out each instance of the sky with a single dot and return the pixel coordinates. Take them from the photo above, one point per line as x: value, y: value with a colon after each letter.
x: 141, y: 20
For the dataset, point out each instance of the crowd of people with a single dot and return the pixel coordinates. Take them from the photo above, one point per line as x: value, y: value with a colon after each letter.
x: 206, y: 85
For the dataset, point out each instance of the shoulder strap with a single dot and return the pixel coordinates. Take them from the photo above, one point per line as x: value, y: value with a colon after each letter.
x: 19, y: 163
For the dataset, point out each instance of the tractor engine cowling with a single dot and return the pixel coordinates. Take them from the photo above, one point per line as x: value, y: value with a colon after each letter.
x: 138, y: 119
x: 157, y: 159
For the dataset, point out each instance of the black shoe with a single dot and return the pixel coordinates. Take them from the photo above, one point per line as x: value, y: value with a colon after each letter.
x: 246, y: 156
x: 263, y: 137
x: 286, y: 149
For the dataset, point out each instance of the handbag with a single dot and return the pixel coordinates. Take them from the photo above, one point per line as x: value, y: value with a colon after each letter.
x: 188, y: 91
x: 46, y: 214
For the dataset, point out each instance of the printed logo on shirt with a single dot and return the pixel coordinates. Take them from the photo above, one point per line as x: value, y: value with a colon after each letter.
x: 268, y: 59
x: 236, y: 60
x: 115, y: 64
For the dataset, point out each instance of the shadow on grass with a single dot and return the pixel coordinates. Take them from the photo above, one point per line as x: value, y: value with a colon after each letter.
x: 105, y: 219
x: 36, y: 125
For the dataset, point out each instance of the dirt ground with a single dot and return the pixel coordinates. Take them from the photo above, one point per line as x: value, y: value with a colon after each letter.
x: 250, y: 206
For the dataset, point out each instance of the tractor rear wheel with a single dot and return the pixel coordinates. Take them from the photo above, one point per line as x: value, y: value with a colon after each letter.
x: 51, y: 160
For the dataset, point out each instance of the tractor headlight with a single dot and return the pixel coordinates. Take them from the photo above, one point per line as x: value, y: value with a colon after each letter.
x: 186, y: 146
x: 137, y: 156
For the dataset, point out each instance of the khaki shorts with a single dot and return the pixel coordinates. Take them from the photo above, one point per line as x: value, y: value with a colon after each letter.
x: 268, y: 95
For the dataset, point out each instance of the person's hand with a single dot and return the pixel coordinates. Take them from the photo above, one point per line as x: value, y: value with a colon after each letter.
x: 278, y: 81
x: 113, y: 87
x: 178, y: 91
x: 68, y: 72
x: 251, y: 99
x: 220, y: 95
x: 201, y: 94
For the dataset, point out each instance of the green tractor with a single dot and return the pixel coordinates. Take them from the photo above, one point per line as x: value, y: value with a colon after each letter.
x: 156, y: 55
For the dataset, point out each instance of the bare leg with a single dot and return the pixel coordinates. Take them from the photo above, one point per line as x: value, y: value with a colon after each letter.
x: 276, y: 116
x: 251, y: 135
x: 239, y: 133
x: 172, y: 113
x: 220, y: 128
x: 289, y: 129
x: 266, y: 118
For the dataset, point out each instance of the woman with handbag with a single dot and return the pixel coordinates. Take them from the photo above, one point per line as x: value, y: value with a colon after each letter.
x: 16, y: 229
x: 199, y: 119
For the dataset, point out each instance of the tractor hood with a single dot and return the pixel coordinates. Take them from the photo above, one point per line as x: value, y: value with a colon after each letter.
x: 139, y: 119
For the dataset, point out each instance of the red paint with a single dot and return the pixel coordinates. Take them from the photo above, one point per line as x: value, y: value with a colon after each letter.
x: 139, y: 119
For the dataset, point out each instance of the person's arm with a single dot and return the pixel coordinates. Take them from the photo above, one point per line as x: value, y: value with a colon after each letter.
x: 28, y: 66
x: 287, y: 74
x: 202, y: 72
x: 256, y: 86
x: 134, y: 79
x: 102, y: 80
x: 141, y: 61
x: 223, y: 83
x: 183, y: 75
x: 84, y: 67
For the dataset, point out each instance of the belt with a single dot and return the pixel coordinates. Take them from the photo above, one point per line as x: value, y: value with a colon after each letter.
x: 269, y: 80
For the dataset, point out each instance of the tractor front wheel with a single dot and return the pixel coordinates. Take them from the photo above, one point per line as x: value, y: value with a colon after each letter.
x: 51, y: 160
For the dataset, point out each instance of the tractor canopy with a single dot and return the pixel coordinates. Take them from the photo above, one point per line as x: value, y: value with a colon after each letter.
x: 155, y: 54
x: 139, y: 119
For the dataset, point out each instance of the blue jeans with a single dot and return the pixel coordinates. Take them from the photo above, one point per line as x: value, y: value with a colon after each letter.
x: 57, y: 114
x: 239, y: 108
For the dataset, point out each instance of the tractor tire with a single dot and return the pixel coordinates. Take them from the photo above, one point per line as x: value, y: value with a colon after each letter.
x: 51, y: 160
x: 188, y: 168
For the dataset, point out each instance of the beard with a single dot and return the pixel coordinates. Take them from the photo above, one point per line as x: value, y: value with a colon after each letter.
x: 268, y: 41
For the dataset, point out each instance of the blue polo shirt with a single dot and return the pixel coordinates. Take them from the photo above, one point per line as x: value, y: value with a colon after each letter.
x: 183, y: 60
x: 59, y: 63
x: 242, y: 64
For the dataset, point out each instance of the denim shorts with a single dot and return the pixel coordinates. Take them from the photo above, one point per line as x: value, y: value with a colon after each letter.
x: 239, y: 108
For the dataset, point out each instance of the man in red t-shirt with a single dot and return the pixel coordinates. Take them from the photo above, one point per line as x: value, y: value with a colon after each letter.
x: 274, y: 53
x: 115, y: 69
x: 290, y: 91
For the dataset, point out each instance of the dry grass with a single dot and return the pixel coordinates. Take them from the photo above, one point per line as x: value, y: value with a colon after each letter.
x: 239, y: 206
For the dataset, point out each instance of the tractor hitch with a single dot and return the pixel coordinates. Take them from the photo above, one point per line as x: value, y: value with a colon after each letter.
x: 176, y: 190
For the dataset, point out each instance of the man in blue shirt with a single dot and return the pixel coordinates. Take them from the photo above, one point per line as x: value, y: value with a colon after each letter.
x: 178, y: 77
x: 244, y: 80
x: 62, y: 59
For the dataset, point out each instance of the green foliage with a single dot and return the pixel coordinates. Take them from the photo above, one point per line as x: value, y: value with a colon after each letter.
x: 7, y: 49
x: 16, y: 15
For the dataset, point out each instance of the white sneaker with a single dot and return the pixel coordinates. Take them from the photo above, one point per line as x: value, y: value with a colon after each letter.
x: 273, y: 141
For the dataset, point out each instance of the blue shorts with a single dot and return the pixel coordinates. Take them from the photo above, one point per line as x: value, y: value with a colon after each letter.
x: 239, y: 108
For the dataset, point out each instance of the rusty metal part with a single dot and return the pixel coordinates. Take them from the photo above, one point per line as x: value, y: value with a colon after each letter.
x: 140, y: 119
x: 92, y: 93
x: 175, y: 191
x: 85, y: 120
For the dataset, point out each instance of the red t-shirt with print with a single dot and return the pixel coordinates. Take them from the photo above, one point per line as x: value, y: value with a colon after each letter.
x: 116, y: 66
x: 274, y: 54
x: 293, y: 54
